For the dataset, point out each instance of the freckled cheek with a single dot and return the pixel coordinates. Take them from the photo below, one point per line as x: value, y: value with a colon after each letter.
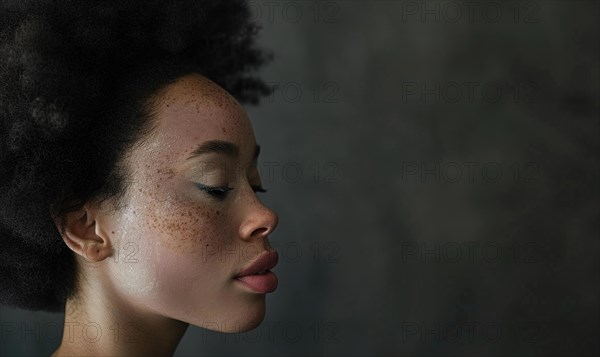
x: 188, y: 225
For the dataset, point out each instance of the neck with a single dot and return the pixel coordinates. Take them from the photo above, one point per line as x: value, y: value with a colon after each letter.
x: 98, y: 322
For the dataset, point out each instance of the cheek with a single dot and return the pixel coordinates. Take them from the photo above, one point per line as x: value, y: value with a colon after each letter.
x: 176, y: 239
x: 185, y: 228
x: 174, y: 218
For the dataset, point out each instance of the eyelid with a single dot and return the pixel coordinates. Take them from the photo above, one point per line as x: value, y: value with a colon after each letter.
x: 217, y: 191
x: 203, y: 186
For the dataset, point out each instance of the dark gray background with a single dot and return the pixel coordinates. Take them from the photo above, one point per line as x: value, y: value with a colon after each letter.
x: 435, y: 168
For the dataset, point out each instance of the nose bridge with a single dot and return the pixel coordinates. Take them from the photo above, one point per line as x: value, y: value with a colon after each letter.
x: 259, y: 220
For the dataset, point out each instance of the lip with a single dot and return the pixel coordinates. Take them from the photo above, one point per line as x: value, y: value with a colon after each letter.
x: 265, y: 261
x: 260, y: 283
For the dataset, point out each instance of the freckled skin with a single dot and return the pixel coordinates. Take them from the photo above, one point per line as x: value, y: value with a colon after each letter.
x: 189, y: 244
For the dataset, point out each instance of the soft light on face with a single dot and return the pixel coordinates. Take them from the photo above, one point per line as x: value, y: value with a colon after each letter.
x: 183, y: 234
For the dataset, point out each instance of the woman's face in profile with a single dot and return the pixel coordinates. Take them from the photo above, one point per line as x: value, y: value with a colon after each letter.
x: 191, y: 223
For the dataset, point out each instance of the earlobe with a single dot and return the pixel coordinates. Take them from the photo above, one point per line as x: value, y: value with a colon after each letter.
x: 81, y: 237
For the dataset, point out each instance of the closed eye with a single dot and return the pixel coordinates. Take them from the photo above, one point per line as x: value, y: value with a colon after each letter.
x: 215, y: 191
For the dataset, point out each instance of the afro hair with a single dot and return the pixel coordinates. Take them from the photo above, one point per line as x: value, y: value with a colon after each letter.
x: 76, y: 79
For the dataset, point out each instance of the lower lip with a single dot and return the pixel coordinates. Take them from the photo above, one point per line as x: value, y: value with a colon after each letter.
x: 260, y: 283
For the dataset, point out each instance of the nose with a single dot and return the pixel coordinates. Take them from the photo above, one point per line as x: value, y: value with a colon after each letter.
x: 259, y: 221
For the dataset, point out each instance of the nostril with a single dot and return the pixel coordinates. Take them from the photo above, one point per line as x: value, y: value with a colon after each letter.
x: 259, y: 223
x: 260, y: 231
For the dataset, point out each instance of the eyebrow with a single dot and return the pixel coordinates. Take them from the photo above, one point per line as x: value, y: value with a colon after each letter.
x: 220, y: 147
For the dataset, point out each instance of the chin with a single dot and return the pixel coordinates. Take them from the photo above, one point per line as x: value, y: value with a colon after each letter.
x: 249, y: 324
x: 237, y: 320
x: 247, y: 320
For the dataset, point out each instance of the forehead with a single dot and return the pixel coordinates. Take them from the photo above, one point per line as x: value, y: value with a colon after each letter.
x: 193, y: 110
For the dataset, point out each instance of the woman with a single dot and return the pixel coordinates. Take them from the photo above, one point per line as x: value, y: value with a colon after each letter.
x: 129, y: 171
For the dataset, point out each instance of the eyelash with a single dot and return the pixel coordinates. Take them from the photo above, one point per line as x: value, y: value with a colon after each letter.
x: 221, y: 192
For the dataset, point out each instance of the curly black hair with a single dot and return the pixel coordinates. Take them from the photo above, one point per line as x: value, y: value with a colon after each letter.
x: 76, y: 81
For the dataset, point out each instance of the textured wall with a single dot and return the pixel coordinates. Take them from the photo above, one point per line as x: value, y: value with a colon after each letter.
x: 435, y: 168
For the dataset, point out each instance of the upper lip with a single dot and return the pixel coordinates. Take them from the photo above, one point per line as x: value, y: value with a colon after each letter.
x: 265, y: 261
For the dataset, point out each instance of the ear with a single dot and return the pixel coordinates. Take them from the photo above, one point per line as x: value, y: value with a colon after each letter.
x: 84, y: 235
